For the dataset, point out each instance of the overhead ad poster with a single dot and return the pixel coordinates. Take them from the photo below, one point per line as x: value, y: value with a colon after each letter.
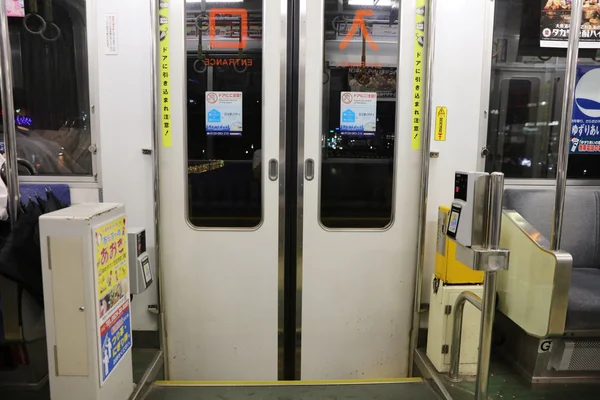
x: 224, y: 114
x: 585, y: 125
x: 112, y: 291
x: 380, y: 80
x: 358, y: 113
x: 555, y: 24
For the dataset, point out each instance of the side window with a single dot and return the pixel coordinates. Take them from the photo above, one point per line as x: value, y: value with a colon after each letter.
x: 224, y: 114
x: 51, y: 89
x: 527, y: 83
x: 359, y: 114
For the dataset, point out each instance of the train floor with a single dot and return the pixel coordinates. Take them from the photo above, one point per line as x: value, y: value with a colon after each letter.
x: 505, y: 384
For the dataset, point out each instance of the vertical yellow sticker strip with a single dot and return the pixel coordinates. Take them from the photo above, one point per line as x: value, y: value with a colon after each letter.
x: 417, y: 115
x: 441, y: 118
x: 164, y: 68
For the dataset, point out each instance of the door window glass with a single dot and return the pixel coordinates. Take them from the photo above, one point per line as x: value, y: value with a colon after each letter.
x: 527, y: 83
x: 359, y: 113
x: 51, y: 90
x: 224, y: 113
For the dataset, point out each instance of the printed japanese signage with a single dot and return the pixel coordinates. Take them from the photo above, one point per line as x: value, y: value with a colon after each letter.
x: 224, y: 114
x: 380, y: 80
x: 112, y: 290
x: 585, y: 125
x: 441, y: 118
x: 418, y: 76
x: 15, y: 8
x: 555, y: 24
x: 358, y: 113
x: 164, y: 68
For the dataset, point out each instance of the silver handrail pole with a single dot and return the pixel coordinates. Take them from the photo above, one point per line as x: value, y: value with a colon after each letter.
x: 425, y: 161
x: 565, y: 121
x: 8, y: 116
x: 488, y: 306
x: 459, y: 308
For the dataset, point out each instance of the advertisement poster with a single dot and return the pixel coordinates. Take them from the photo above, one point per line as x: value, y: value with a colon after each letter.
x: 15, y: 8
x: 224, y: 113
x: 379, y: 80
x: 112, y: 290
x: 358, y: 113
x: 585, y: 125
x: 555, y: 25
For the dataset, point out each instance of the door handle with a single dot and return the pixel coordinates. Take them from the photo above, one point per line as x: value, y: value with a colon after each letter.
x: 309, y: 169
x: 273, y: 169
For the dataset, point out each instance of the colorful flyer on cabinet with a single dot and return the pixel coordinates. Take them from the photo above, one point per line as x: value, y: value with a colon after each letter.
x: 15, y: 8
x: 585, y: 124
x: 112, y: 291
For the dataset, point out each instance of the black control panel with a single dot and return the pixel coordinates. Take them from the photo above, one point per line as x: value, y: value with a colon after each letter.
x: 460, y: 186
x: 141, y: 243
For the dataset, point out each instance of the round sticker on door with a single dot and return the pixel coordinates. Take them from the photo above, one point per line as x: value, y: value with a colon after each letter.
x: 212, y: 98
x: 347, y: 98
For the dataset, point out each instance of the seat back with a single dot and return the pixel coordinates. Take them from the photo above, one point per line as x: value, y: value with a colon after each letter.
x: 581, y: 226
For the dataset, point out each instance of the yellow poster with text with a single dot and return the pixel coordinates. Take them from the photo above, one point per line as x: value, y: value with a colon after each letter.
x: 441, y: 118
x: 112, y: 266
x: 417, y: 101
x: 165, y: 72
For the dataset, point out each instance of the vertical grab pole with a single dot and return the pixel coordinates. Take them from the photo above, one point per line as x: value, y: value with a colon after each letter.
x: 488, y: 307
x: 8, y: 116
x: 430, y: 8
x: 565, y: 120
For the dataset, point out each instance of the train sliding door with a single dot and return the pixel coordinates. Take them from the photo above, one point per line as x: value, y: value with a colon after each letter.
x: 359, y: 183
x: 290, y: 176
x: 219, y: 189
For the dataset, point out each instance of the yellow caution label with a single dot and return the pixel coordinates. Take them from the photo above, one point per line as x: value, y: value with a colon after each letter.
x: 418, y: 76
x: 165, y: 79
x: 441, y: 116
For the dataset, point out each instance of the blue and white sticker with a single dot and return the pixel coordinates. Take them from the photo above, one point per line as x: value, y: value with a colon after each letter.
x: 585, y: 125
x: 358, y: 113
x: 224, y: 113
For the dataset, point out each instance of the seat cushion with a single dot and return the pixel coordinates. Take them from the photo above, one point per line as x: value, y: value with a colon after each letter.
x: 583, y: 312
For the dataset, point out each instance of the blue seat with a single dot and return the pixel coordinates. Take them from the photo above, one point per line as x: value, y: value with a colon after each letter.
x: 580, y: 237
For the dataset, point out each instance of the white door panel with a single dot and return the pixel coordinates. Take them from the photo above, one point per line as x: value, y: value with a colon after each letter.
x: 358, y: 284
x: 220, y: 285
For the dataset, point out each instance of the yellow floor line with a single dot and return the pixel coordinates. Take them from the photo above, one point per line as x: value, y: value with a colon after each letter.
x: 287, y: 383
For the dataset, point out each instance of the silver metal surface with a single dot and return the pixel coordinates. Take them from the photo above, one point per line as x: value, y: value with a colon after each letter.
x: 302, y: 45
x: 429, y: 373
x: 156, y: 137
x: 481, y: 204
x: 273, y: 170
x: 565, y: 124
x: 282, y: 164
x: 8, y: 117
x: 488, y: 307
x: 457, y: 320
x: 147, y: 380
x: 429, y: 42
x: 309, y: 169
x: 483, y: 259
x: 441, y: 233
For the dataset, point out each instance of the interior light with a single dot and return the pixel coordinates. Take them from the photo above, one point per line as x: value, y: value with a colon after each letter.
x: 369, y: 2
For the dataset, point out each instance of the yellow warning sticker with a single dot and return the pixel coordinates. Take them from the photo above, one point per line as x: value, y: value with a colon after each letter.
x: 441, y: 117
x: 164, y: 68
x: 418, y: 76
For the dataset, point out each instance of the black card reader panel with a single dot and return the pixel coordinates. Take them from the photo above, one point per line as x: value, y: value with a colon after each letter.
x: 453, y: 221
x: 460, y: 186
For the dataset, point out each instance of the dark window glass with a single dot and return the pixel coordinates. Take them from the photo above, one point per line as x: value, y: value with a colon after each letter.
x: 359, y: 114
x: 224, y: 118
x: 51, y: 94
x: 527, y: 83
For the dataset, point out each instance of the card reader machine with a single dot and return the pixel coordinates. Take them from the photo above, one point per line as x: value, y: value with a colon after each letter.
x: 465, y: 224
x: 140, y: 271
